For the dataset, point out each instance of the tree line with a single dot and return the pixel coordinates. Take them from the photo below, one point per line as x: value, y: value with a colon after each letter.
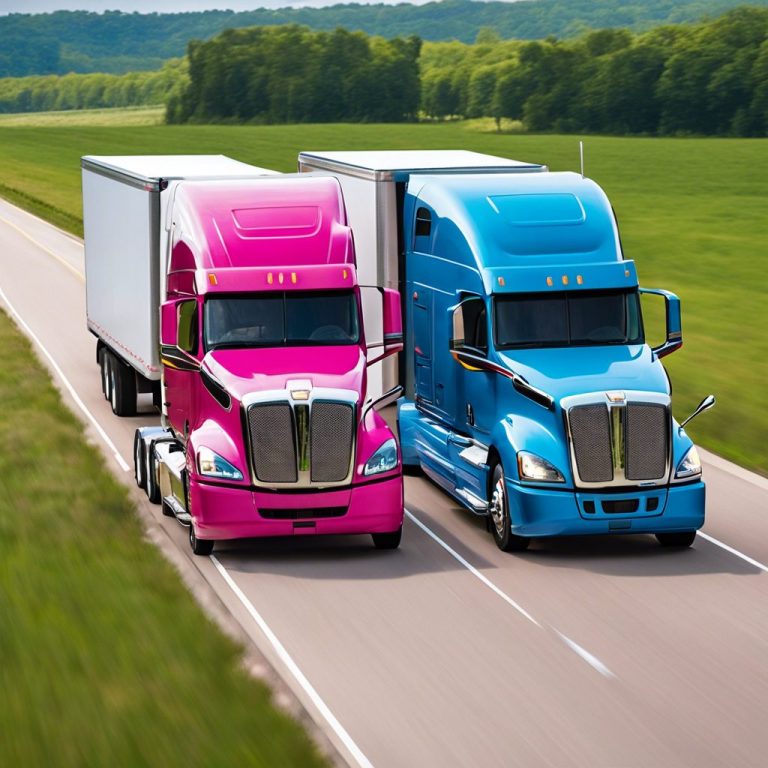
x: 117, y: 42
x: 709, y: 78
x: 291, y: 74
x: 42, y: 93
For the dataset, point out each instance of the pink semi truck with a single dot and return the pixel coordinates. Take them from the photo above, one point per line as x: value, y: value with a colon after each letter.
x: 230, y: 295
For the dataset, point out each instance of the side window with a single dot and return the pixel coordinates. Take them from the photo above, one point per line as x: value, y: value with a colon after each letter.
x: 475, y: 324
x: 187, y: 326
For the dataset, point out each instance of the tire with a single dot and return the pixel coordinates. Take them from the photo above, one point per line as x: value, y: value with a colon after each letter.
x: 202, y: 547
x: 152, y: 488
x: 501, y: 521
x: 139, y: 461
x: 682, y: 540
x: 100, y: 355
x: 106, y: 375
x: 387, y: 540
x: 122, y: 387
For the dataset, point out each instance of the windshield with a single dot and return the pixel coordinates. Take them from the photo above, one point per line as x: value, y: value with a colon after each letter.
x: 567, y: 319
x: 281, y: 319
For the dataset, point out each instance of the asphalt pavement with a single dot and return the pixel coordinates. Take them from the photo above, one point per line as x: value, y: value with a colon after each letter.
x: 596, y: 651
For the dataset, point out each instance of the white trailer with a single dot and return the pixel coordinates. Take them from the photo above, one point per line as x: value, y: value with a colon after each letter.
x: 127, y: 204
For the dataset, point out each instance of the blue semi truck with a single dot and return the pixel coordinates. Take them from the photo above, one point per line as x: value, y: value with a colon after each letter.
x: 531, y: 393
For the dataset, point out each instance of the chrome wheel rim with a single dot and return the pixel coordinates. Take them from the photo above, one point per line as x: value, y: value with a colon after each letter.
x: 497, y: 506
x: 112, y: 388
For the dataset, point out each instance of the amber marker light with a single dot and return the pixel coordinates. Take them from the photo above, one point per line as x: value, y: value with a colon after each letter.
x: 280, y: 278
x: 550, y: 282
x: 270, y: 279
x: 579, y: 279
x: 293, y: 278
x: 565, y: 279
x: 501, y: 281
x: 212, y: 279
x: 345, y: 274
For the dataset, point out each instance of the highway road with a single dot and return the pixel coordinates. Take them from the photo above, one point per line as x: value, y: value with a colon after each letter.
x: 581, y: 651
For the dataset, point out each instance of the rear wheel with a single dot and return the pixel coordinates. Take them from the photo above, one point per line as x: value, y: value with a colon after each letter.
x: 122, y: 387
x: 139, y: 461
x: 501, y: 522
x: 199, y: 546
x: 387, y: 540
x: 682, y: 539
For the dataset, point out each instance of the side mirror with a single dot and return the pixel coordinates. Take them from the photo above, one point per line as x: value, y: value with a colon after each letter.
x: 707, y: 403
x: 393, y: 320
x: 391, y: 323
x: 674, y: 322
x: 168, y: 324
x: 458, y: 339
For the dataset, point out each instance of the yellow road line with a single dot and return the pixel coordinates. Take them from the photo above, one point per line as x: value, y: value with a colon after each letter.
x: 75, y: 271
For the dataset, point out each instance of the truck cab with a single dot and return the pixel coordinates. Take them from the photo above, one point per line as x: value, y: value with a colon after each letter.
x: 532, y: 395
x: 231, y: 294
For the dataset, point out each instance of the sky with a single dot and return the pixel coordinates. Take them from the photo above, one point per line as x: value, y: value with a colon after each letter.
x: 162, y: 6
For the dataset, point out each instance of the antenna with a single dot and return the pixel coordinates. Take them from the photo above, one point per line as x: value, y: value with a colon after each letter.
x: 581, y: 156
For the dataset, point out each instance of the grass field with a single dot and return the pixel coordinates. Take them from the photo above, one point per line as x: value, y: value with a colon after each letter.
x: 152, y: 115
x: 692, y: 214
x: 106, y: 660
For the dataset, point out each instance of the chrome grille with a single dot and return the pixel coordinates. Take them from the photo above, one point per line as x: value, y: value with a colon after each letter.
x: 331, y: 431
x: 619, y: 443
x: 645, y: 433
x: 273, y: 442
x: 591, y: 435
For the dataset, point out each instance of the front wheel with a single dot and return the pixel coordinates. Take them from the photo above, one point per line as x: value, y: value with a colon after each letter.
x: 387, y: 540
x: 501, y: 522
x: 684, y: 539
x: 201, y: 547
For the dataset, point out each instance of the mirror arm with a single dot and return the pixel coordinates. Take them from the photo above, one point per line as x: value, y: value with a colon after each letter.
x: 382, y: 402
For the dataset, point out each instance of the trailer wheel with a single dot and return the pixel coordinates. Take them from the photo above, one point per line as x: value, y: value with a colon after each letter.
x: 501, y: 522
x: 100, y: 352
x: 387, y: 540
x: 199, y: 546
x: 682, y: 540
x: 122, y: 385
x: 139, y: 461
x: 152, y: 488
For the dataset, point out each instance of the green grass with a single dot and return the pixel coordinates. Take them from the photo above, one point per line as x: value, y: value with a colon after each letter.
x: 692, y: 214
x: 105, y: 658
x: 151, y: 115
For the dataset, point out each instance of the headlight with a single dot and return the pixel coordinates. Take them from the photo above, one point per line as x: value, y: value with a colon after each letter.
x: 533, y: 467
x: 690, y: 465
x: 384, y: 460
x: 213, y: 465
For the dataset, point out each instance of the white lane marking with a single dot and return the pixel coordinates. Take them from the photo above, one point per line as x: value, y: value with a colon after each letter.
x: 592, y: 660
x: 286, y: 658
x: 80, y: 276
x: 471, y: 568
x: 733, y: 551
x: 80, y: 404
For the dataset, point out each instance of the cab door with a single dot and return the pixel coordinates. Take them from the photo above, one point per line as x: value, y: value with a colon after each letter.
x: 180, y: 354
x: 423, y: 308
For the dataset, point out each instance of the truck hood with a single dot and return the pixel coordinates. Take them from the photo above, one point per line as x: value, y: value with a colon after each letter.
x: 246, y: 371
x: 562, y: 372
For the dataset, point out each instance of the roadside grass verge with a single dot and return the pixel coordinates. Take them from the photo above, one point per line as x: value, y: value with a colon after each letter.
x: 692, y: 215
x: 105, y: 658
